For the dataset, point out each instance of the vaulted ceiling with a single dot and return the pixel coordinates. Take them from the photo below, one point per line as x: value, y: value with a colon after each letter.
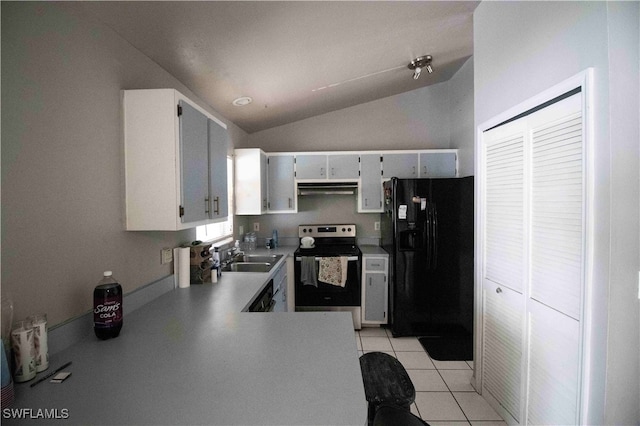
x: 295, y: 59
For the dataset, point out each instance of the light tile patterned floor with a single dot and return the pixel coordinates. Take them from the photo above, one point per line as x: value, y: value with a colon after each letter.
x: 444, y: 395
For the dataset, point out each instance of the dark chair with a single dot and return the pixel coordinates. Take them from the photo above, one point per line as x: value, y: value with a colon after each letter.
x: 386, y: 382
x: 390, y: 415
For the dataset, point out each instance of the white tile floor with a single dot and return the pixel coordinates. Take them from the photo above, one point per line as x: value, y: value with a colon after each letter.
x: 444, y: 395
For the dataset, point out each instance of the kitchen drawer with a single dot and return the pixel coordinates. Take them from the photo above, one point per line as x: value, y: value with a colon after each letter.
x: 375, y: 264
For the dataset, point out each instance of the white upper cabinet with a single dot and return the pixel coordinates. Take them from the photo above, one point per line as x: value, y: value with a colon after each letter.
x: 218, y: 188
x: 370, y: 193
x: 282, y: 186
x: 438, y: 165
x: 366, y: 168
x: 194, y: 147
x: 311, y: 166
x: 403, y: 165
x: 344, y: 166
x: 250, y: 181
x: 168, y: 149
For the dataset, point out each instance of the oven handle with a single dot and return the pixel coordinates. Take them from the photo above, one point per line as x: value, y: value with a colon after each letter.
x: 350, y: 258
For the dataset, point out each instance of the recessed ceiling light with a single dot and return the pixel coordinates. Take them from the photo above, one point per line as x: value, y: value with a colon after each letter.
x: 242, y: 101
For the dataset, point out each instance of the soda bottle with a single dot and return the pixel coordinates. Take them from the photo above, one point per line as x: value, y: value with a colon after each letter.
x: 107, y: 307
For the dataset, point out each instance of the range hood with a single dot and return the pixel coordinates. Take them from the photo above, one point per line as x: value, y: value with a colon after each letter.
x: 327, y: 188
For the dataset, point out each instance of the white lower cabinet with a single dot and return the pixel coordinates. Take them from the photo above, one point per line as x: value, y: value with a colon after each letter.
x: 375, y: 289
x: 280, y: 289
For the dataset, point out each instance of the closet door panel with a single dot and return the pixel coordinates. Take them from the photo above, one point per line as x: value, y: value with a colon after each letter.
x: 504, y: 206
x: 503, y: 324
x: 557, y: 224
x: 554, y: 365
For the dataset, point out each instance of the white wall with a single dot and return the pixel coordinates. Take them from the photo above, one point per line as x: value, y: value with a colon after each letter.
x: 62, y: 181
x: 414, y: 120
x: 462, y: 130
x: 523, y: 48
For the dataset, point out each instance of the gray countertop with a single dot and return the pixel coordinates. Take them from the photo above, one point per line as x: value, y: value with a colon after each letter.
x: 192, y: 357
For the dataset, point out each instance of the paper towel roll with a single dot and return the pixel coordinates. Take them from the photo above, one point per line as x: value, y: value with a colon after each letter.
x: 181, y: 268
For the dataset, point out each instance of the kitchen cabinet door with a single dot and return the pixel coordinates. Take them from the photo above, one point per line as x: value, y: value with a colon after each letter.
x: 311, y: 166
x: 282, y: 186
x: 438, y: 165
x: 346, y: 166
x: 374, y: 289
x: 250, y: 181
x: 218, y: 189
x: 403, y: 166
x: 194, y: 164
x: 370, y: 194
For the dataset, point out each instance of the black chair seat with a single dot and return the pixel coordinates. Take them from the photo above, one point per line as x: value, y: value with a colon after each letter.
x: 385, y: 382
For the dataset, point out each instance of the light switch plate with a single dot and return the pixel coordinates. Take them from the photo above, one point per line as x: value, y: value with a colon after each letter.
x: 256, y: 226
x: 167, y: 256
x: 376, y: 226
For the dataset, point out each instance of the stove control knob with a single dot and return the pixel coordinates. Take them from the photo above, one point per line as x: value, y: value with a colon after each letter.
x: 349, y: 229
x: 304, y: 230
x: 343, y: 229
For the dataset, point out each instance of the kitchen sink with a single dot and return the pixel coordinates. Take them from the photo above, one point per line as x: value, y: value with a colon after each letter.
x: 252, y: 263
x: 248, y: 267
x: 272, y: 258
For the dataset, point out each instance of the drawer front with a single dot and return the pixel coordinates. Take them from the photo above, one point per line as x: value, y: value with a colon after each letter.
x: 375, y: 264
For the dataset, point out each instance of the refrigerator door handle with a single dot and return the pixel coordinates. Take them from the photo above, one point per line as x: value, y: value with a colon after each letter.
x: 427, y: 238
x: 434, y: 236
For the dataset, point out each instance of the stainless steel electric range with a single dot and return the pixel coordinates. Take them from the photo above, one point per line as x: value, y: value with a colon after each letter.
x: 330, y: 254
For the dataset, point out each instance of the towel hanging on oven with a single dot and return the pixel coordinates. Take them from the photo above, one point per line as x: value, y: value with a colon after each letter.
x: 308, y: 271
x: 333, y: 270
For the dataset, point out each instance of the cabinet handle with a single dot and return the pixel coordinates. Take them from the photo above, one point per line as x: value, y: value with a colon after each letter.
x: 333, y: 173
x: 321, y: 171
x: 206, y: 205
x: 498, y: 290
x: 370, y: 281
x: 216, y: 203
x: 366, y: 202
x: 375, y: 264
x: 264, y: 203
x: 414, y: 170
x: 289, y: 202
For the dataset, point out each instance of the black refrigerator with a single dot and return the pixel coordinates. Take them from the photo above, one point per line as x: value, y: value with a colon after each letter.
x: 427, y: 229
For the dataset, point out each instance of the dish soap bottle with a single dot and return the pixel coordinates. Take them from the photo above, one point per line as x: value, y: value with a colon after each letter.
x: 107, y: 307
x: 274, y: 238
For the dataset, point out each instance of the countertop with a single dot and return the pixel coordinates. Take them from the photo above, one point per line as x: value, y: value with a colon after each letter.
x: 373, y: 251
x: 192, y: 357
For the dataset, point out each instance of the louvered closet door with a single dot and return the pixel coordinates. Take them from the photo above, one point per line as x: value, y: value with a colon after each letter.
x: 503, y: 272
x: 534, y: 243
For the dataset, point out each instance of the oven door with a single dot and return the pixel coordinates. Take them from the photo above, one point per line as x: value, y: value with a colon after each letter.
x: 327, y: 294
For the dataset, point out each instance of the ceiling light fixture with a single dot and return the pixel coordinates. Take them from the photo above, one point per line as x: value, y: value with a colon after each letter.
x: 242, y: 101
x: 419, y: 63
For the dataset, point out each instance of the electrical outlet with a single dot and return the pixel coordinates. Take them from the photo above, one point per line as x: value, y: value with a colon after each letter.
x: 167, y: 255
x: 240, y: 230
x: 376, y: 226
x: 256, y: 226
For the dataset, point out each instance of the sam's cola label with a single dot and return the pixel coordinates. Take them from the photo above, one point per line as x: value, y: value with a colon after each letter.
x: 107, y: 312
